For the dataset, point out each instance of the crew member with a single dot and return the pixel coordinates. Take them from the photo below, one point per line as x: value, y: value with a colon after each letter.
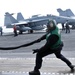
x: 1, y: 30
x: 15, y: 30
x: 53, y: 45
x: 67, y: 28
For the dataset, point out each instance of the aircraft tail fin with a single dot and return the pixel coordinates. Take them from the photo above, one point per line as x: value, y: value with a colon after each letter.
x: 9, y: 19
x: 67, y: 12
x: 20, y: 17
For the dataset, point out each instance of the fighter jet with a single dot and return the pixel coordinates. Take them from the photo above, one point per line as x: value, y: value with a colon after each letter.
x: 33, y: 23
x: 22, y: 25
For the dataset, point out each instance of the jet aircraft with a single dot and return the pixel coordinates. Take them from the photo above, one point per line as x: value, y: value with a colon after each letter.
x: 22, y: 26
x: 33, y: 23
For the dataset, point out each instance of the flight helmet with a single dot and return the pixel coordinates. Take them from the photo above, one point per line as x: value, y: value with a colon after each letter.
x: 51, y: 25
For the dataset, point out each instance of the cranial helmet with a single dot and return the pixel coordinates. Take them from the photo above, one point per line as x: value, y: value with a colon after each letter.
x: 51, y: 24
x: 51, y: 21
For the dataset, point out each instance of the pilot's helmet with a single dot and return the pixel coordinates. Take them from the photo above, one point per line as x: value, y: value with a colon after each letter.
x: 51, y: 25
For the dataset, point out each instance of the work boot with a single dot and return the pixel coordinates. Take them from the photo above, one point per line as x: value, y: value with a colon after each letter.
x: 34, y: 72
x: 72, y: 68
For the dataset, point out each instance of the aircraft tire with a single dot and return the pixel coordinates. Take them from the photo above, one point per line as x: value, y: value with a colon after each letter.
x: 30, y: 31
x: 20, y: 32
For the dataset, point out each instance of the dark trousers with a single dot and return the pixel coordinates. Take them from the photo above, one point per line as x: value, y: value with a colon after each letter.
x: 67, y: 30
x: 15, y: 32
x: 46, y: 51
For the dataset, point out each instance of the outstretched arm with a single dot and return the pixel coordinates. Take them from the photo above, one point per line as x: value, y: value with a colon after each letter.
x: 40, y: 39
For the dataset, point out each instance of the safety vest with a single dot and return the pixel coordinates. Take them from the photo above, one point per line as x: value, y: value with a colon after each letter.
x: 56, y: 32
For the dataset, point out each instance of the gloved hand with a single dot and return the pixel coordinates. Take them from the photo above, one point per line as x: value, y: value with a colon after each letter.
x: 35, y: 50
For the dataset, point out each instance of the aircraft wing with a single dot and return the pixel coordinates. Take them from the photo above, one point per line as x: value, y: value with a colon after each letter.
x: 28, y: 22
x: 44, y: 20
x: 19, y: 23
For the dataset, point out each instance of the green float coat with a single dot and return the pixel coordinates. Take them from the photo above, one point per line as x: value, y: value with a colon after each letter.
x: 56, y: 31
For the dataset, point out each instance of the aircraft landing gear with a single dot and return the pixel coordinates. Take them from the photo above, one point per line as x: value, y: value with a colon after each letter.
x: 20, y: 32
x: 30, y: 31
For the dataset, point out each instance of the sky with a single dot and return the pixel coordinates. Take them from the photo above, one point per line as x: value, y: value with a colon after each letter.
x: 33, y: 7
